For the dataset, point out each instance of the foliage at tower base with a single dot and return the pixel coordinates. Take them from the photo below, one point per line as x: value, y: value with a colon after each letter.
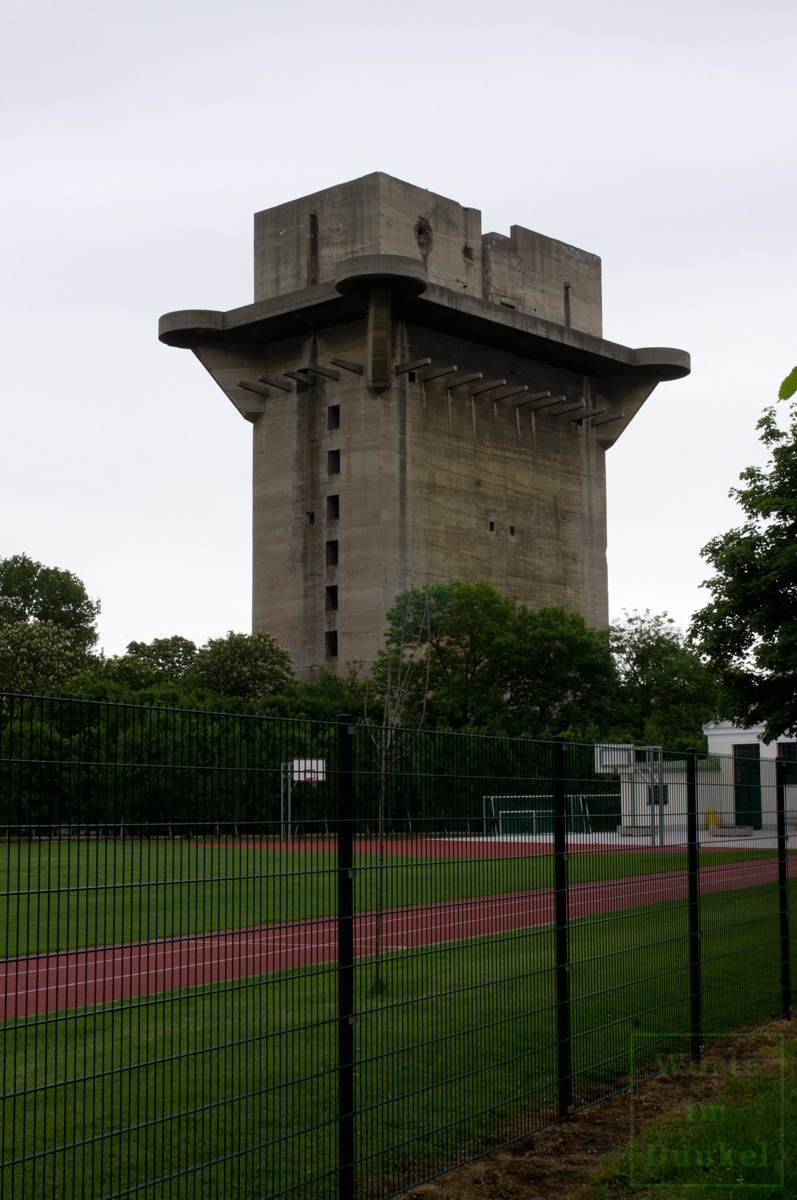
x: 749, y: 629
x: 667, y: 693
x: 492, y: 664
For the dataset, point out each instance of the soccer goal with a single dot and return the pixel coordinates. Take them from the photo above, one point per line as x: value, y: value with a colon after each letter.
x: 533, y: 816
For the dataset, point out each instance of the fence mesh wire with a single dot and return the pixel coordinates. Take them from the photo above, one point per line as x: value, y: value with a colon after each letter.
x: 175, y: 919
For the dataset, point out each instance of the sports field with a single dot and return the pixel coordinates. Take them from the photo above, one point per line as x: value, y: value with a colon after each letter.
x: 65, y: 979
x: 65, y: 895
x: 201, y: 1092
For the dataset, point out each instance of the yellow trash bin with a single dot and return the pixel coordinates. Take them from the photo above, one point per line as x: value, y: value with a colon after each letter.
x: 712, y: 817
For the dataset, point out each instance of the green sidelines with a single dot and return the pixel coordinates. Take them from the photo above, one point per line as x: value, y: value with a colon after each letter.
x: 65, y: 895
x: 736, y: 1143
x: 455, y: 1053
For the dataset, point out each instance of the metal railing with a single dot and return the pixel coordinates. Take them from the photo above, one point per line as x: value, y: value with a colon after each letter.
x: 205, y: 996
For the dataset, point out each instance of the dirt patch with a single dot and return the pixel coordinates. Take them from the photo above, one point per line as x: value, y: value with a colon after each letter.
x: 559, y: 1162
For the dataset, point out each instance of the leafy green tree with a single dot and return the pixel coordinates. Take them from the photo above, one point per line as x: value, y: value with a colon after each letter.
x: 117, y: 676
x: 326, y: 696
x: 461, y: 628
x: 248, y: 666
x: 498, y: 666
x: 749, y: 630
x: 666, y: 692
x: 30, y: 591
x: 37, y: 657
x: 170, y: 657
x: 560, y: 676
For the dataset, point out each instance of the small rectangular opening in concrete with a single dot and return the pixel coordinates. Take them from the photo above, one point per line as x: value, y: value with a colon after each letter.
x: 333, y: 508
x: 331, y: 643
x: 332, y: 554
x: 311, y: 518
x: 511, y: 530
x: 333, y: 416
x: 492, y: 527
x: 332, y: 598
x: 333, y: 462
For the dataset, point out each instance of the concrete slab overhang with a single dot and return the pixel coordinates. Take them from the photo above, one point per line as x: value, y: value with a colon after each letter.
x: 429, y: 306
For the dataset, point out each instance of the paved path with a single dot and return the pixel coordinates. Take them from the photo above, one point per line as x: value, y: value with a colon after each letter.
x: 49, y: 983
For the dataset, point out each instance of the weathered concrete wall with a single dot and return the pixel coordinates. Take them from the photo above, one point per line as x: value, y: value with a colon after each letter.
x: 430, y: 480
x: 301, y: 243
x: 540, y: 275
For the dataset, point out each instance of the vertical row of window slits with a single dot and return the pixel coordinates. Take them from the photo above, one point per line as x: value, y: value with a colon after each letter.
x: 333, y: 514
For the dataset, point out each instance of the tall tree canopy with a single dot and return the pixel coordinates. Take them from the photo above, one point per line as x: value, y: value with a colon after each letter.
x: 666, y: 692
x: 498, y: 666
x: 247, y: 666
x: 170, y: 657
x: 31, y: 592
x: 749, y: 630
x: 36, y: 657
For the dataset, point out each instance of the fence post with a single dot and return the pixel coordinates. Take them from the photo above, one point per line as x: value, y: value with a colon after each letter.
x: 345, y: 957
x: 783, y: 890
x: 692, y: 867
x: 560, y: 923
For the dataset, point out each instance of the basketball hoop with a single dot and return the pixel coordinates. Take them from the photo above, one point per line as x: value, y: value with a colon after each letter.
x: 309, y: 770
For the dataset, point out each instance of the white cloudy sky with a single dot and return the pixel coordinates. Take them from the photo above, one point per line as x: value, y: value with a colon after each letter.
x: 139, y: 138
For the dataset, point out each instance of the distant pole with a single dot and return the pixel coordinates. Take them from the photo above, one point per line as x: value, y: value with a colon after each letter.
x: 564, y: 1069
x: 693, y: 882
x: 783, y: 890
x: 346, y: 1015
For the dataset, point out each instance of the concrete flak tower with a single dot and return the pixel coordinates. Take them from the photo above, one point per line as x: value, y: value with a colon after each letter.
x: 428, y: 402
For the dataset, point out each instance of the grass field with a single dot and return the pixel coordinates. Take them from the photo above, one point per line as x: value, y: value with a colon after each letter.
x: 456, y: 1054
x: 741, y: 1142
x: 66, y: 895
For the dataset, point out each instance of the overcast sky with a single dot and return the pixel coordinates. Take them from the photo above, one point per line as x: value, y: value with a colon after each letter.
x: 140, y: 138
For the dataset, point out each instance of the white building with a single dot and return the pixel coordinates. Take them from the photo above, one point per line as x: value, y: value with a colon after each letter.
x: 746, y: 794
x: 736, y: 785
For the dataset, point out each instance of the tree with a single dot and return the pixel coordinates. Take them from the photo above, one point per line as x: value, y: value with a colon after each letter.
x: 31, y: 592
x: 243, y: 665
x: 560, y: 677
x: 170, y: 657
x: 749, y: 630
x: 36, y: 657
x: 667, y: 692
x: 118, y: 676
x: 498, y: 666
x: 460, y: 627
x: 397, y: 671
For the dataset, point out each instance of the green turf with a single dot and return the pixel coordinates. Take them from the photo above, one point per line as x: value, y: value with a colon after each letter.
x: 69, y: 894
x: 739, y: 1145
x: 454, y: 1054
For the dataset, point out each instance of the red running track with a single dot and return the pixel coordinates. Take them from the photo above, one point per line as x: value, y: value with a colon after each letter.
x: 49, y: 983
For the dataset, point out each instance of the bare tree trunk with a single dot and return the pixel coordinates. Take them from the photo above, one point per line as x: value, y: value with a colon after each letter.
x: 380, y: 864
x: 393, y: 708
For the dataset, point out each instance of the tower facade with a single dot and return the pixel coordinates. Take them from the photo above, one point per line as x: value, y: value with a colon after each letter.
x: 427, y: 402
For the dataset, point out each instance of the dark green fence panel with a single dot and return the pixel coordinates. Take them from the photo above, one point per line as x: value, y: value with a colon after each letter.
x: 213, y: 986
